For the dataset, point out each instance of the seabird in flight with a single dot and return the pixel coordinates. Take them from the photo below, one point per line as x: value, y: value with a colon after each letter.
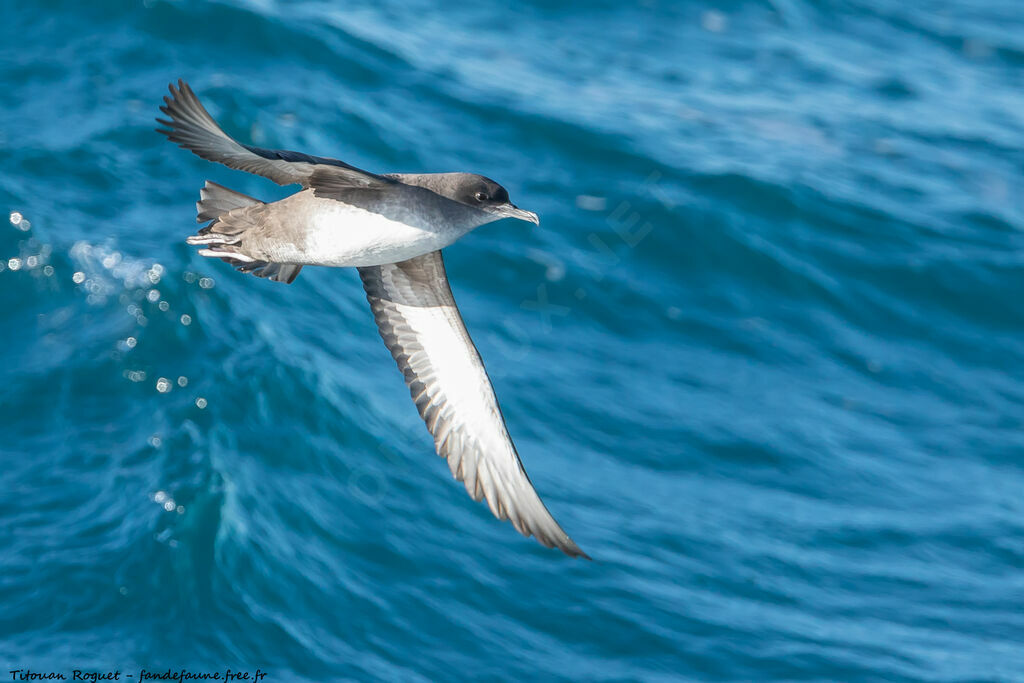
x: 391, y: 227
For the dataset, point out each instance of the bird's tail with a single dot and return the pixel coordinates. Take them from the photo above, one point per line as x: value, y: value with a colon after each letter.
x: 216, y: 200
x: 222, y: 237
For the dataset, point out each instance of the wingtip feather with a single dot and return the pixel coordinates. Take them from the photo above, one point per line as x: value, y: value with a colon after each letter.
x: 582, y: 555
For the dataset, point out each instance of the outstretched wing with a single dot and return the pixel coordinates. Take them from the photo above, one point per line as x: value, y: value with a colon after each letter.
x: 192, y: 127
x: 421, y: 326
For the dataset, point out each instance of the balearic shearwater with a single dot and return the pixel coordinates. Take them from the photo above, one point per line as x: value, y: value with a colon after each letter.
x: 392, y: 228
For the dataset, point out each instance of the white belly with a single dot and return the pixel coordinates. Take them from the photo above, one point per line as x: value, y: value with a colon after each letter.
x: 345, y: 235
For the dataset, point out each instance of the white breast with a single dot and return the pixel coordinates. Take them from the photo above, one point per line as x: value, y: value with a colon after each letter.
x: 343, y: 235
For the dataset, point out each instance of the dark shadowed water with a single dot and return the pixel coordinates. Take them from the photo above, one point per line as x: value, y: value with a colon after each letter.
x: 763, y: 358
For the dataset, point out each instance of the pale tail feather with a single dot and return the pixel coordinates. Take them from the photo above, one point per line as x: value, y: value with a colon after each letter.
x: 215, y: 200
x: 222, y: 238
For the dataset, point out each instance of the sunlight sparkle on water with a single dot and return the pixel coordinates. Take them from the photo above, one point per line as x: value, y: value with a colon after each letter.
x: 164, y: 500
x: 19, y: 221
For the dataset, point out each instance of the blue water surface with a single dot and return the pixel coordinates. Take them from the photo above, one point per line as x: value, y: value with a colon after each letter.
x: 763, y: 357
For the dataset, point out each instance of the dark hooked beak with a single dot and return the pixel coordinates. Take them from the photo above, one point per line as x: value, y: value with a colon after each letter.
x: 512, y: 211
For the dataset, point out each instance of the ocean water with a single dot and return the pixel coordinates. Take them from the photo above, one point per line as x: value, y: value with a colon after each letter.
x: 763, y: 357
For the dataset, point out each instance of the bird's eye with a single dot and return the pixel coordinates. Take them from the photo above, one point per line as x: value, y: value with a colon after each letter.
x: 481, y: 196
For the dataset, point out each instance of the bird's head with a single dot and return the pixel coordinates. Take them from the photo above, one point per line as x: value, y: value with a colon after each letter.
x: 488, y: 196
